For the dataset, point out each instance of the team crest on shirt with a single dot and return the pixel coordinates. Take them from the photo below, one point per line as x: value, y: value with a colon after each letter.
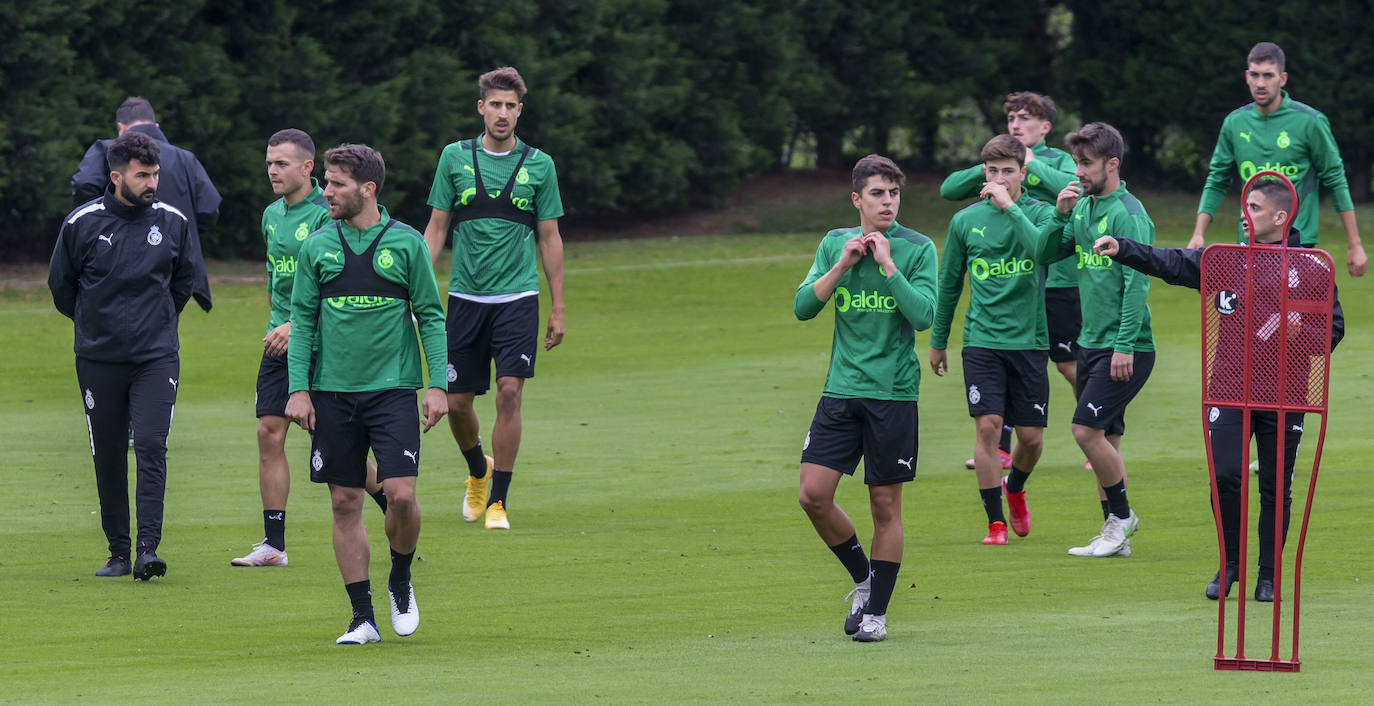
x: 1033, y: 180
x: 1102, y: 225
x: 302, y: 230
x: 154, y: 236
x: 384, y: 259
x: 90, y: 399
x: 1283, y: 142
x: 974, y: 394
x: 522, y: 176
x: 316, y: 462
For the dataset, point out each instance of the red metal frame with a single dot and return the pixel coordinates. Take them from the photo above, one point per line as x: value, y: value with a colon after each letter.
x: 1258, y: 395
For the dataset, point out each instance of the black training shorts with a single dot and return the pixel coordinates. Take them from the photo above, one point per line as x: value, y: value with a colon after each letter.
x: 348, y: 423
x: 1010, y: 384
x: 479, y: 333
x: 882, y: 432
x: 1065, y: 318
x: 1102, y: 401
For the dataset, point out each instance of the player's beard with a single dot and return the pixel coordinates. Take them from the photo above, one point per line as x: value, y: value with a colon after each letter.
x: 144, y: 199
x: 347, y: 207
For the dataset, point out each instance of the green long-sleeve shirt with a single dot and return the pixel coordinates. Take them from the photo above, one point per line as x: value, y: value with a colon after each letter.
x: 1046, y: 175
x: 872, y: 353
x: 366, y: 343
x: 997, y: 249
x: 1294, y: 140
x: 1113, y: 298
x: 284, y: 228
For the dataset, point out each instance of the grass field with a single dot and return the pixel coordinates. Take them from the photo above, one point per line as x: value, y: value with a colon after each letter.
x: 658, y: 553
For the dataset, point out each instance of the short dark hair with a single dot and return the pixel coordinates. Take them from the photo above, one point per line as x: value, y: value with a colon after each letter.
x: 875, y: 165
x: 1276, y: 193
x: 1265, y: 52
x: 299, y: 138
x: 505, y: 78
x: 362, y: 163
x: 132, y: 146
x: 1004, y: 147
x: 135, y: 110
x: 1041, y: 106
x: 1098, y: 139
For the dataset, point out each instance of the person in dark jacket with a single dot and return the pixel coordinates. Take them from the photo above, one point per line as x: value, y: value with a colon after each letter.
x: 184, y: 183
x: 122, y: 272
x: 1269, y: 204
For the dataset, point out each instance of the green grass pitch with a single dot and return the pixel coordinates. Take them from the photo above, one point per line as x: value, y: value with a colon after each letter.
x: 658, y: 553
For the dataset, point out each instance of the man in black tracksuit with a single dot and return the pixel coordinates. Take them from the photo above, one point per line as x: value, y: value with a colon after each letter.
x: 122, y: 270
x: 1269, y: 204
x: 184, y: 184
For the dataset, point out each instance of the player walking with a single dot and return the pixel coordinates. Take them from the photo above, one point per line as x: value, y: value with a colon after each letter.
x: 300, y: 211
x: 882, y: 278
x: 995, y: 241
x: 358, y: 284
x: 1276, y: 132
x: 1115, y: 347
x: 500, y: 196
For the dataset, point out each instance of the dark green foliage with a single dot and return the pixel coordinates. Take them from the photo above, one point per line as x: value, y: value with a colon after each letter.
x: 646, y: 105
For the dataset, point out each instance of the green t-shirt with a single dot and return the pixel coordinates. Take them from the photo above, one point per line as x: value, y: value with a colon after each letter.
x: 998, y: 250
x: 1046, y: 175
x: 493, y: 256
x: 284, y: 228
x: 1294, y: 140
x: 872, y: 354
x: 1113, y: 298
x: 366, y: 343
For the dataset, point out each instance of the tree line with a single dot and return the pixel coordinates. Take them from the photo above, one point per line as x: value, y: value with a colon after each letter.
x: 646, y: 105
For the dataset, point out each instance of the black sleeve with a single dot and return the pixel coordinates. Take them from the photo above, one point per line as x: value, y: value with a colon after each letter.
x: 92, y: 174
x: 62, y: 271
x: 1180, y: 266
x: 1337, y: 317
x: 204, y: 195
x: 184, y: 268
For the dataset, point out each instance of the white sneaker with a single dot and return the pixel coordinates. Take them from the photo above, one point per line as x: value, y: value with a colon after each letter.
x: 856, y: 608
x: 1115, y: 532
x: 263, y: 554
x: 359, y: 633
x: 872, y: 629
x: 405, y: 621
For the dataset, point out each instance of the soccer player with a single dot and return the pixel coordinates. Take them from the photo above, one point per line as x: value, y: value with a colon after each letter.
x: 300, y: 211
x: 500, y: 197
x: 1115, y: 347
x: 882, y: 278
x: 995, y: 241
x: 1276, y: 132
x: 1030, y: 117
x: 183, y: 183
x: 122, y: 272
x: 1269, y: 204
x: 363, y: 285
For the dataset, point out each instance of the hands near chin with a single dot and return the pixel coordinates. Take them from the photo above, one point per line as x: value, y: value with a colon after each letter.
x: 875, y: 244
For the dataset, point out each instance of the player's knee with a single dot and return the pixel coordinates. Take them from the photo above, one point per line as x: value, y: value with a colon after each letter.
x: 885, y: 508
x: 148, y: 446
x: 400, y: 496
x: 508, y: 398
x: 1032, y: 443
x: 812, y: 502
x: 989, y: 429
x: 271, y: 434
x: 1085, y: 435
x: 345, y: 506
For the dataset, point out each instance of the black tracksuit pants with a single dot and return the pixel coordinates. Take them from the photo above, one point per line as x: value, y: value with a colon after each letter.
x: 1227, y: 445
x: 116, y: 395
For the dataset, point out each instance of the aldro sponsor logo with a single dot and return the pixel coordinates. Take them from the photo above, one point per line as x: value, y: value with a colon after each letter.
x: 281, y: 266
x: 520, y: 202
x: 358, y: 303
x: 1089, y: 260
x: 981, y: 269
x: 864, y: 302
x: 1249, y: 169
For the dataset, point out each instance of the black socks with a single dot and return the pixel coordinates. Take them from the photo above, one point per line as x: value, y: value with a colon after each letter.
x: 851, y: 554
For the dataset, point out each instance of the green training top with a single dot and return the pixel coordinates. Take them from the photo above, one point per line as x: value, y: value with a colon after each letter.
x: 872, y: 354
x: 367, y: 343
x: 1294, y: 140
x: 493, y: 256
x: 1113, y: 298
x: 1046, y: 175
x: 284, y: 228
x: 997, y: 249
